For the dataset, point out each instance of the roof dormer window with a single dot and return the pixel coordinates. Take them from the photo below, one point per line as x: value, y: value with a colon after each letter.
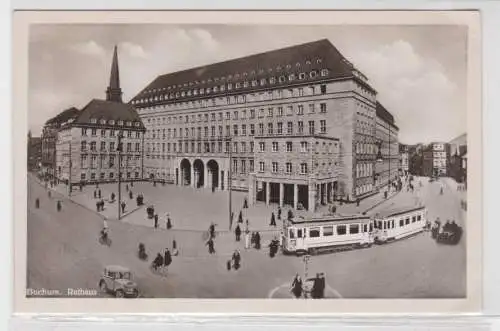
x: 102, y: 121
x: 238, y: 85
x: 254, y: 83
x: 291, y: 77
x: 263, y: 81
x: 313, y: 74
x: 120, y: 122
x: 288, y: 66
x: 245, y: 84
x: 111, y: 122
x: 128, y: 123
x: 93, y: 120
x: 324, y: 72
x: 282, y: 79
x: 302, y: 75
x: 272, y: 80
x: 137, y: 124
x: 319, y: 61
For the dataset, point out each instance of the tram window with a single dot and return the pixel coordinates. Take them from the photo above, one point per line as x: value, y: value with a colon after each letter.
x: 401, y: 222
x: 392, y: 222
x: 365, y: 227
x: 341, y: 229
x: 419, y: 217
x: 407, y: 221
x: 314, y: 232
x: 371, y: 227
x: 354, y: 228
x: 413, y: 219
x: 328, y: 231
x: 292, y: 234
x: 380, y: 225
x: 299, y: 233
x: 385, y: 225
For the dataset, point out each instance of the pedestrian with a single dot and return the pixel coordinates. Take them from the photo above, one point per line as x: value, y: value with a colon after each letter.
x: 37, y: 203
x: 175, y: 251
x: 126, y: 187
x: 290, y: 214
x: 247, y: 239
x: 99, y: 194
x: 357, y: 202
x: 95, y: 194
x: 334, y: 209
x: 279, y: 213
x: 322, y: 284
x: 158, y: 261
x: 297, y: 286
x: 247, y: 228
x: 273, y: 220
x: 316, y: 287
x: 169, y: 223
x: 58, y: 205
x: 210, y: 244
x: 211, y: 230
x: 132, y: 184
x: 257, y: 240
x: 245, y: 203
x: 123, y: 207
x: 240, y: 217
x: 236, y: 259
x: 231, y: 221
x: 102, y: 204
x: 112, y: 196
x: 228, y: 265
x: 97, y: 205
x: 167, y: 260
x: 130, y: 194
x: 237, y: 232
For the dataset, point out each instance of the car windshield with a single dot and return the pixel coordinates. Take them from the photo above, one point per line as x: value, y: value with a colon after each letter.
x: 124, y: 275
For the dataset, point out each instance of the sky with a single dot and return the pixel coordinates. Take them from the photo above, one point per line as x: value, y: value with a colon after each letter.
x: 419, y: 72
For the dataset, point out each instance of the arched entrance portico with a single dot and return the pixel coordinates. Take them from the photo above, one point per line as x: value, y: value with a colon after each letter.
x: 213, y: 174
x: 199, y: 176
x: 185, y: 172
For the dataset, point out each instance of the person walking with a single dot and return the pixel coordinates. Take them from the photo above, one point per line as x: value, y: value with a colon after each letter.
x: 257, y: 240
x: 210, y: 243
x: 273, y: 220
x: 237, y: 232
x: 247, y: 239
x: 99, y: 194
x: 156, y: 221
x: 175, y: 251
x: 211, y: 230
x: 95, y: 194
x: 169, y: 222
x: 236, y: 259
x: 247, y: 226
x: 297, y: 286
x: 245, y: 203
x: 240, y: 217
x: 279, y: 213
x: 123, y: 206
x: 130, y: 194
x: 167, y: 260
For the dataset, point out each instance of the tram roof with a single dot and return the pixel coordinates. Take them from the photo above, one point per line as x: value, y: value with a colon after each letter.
x: 397, y: 211
x: 329, y: 218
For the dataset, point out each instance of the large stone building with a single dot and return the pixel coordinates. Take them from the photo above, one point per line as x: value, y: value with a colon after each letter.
x: 404, y: 159
x: 87, y: 142
x: 34, y: 152
x: 295, y: 125
x: 49, y: 138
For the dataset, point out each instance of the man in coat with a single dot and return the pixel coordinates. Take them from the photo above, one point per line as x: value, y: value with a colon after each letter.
x: 237, y: 232
x: 273, y: 220
x: 167, y: 260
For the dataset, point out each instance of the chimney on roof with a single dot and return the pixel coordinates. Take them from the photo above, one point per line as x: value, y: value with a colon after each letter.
x: 114, y: 92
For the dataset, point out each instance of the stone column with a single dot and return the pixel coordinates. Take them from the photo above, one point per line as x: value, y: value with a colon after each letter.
x: 312, y: 196
x: 268, y: 192
x: 282, y: 193
x: 295, y: 196
x: 252, y: 188
x: 205, y: 177
x: 193, y: 177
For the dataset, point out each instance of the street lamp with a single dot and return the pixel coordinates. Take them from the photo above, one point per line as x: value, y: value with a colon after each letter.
x: 230, y: 178
x: 119, y: 149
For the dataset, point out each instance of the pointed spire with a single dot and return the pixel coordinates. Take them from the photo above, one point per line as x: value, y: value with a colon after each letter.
x: 114, y: 92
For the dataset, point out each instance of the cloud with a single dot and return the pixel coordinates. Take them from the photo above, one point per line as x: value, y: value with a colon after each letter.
x: 426, y: 102
x: 133, y: 50
x: 89, y: 48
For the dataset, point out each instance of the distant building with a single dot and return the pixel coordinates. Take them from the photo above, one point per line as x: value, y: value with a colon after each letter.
x: 386, y: 133
x: 435, y: 159
x: 458, y: 159
x: 87, y: 143
x: 404, y: 159
x: 34, y: 152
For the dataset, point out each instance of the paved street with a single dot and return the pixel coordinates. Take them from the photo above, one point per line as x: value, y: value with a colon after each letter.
x: 64, y: 252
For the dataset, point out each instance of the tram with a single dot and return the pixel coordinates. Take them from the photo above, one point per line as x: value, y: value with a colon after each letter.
x: 327, y: 233
x: 335, y: 233
x: 399, y: 223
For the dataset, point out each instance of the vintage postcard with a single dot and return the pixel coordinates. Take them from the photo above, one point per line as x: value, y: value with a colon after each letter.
x: 247, y: 162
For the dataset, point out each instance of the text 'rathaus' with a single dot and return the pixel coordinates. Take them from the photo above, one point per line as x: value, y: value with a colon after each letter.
x: 298, y: 126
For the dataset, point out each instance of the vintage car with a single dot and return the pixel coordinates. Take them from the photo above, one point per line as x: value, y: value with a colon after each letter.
x: 118, y: 281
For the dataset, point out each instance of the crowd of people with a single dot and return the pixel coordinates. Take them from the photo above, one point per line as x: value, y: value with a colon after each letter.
x: 316, y: 291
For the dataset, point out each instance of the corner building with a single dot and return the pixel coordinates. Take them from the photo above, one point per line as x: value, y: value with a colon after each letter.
x: 294, y: 125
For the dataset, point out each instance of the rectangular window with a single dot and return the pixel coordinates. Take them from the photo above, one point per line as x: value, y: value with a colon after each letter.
x: 84, y: 131
x: 314, y: 232
x: 303, y: 168
x: 261, y: 166
x: 354, y: 228
x: 413, y: 219
x: 280, y: 128
x: 235, y: 166
x: 261, y: 129
x: 301, y: 92
x: 83, y: 146
x: 289, y: 146
x: 322, y: 126
x: 323, y: 108
x: 323, y: 89
x: 328, y: 231
x: 252, y: 113
x: 243, y: 130
x: 112, y: 146
x: 235, y: 147
x: 227, y: 147
x: 419, y: 217
x: 251, y: 146
x: 252, y: 129
x: 94, y: 132
x: 270, y: 112
x: 243, y: 147
x: 288, y: 168
x: 289, y: 111
x: 103, y: 133
x: 401, y: 222
x: 262, y: 146
x: 280, y: 111
x: 275, y: 146
x: 311, y: 127
x: 235, y: 130
x: 341, y: 230
x: 275, y: 167
x: 303, y: 146
x: 243, y: 167
x: 251, y: 166
x: 213, y: 131
x: 407, y: 221
x: 270, y: 128
x: 235, y: 114
x: 300, y: 110
x: 289, y: 127
x: 300, y: 126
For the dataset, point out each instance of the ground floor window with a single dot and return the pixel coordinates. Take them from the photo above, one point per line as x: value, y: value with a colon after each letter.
x: 128, y: 174
x: 92, y: 176
x: 83, y: 176
x: 101, y: 175
x: 136, y: 174
x: 111, y: 175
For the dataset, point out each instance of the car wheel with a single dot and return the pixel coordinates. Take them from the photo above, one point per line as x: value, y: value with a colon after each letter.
x: 119, y: 294
x: 103, y: 287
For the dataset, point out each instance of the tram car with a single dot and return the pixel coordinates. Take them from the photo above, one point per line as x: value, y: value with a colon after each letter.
x: 399, y: 223
x: 327, y: 234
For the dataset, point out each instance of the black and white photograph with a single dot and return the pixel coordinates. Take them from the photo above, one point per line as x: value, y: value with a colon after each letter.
x: 226, y: 160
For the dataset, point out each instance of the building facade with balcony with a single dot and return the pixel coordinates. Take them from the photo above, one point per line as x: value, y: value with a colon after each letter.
x: 205, y: 125
x: 87, y: 144
x: 436, y: 158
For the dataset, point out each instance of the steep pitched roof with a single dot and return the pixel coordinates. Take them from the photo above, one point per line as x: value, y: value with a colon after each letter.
x: 63, y: 116
x: 384, y: 114
x: 321, y: 54
x: 108, y: 110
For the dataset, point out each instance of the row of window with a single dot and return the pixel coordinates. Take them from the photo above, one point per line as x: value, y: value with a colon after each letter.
x: 364, y: 170
x: 112, y: 133
x: 102, y: 161
x: 389, y: 224
x: 330, y: 230
x: 228, y: 87
x: 238, y: 130
x: 365, y: 148
x: 111, y: 175
x: 93, y: 146
x: 275, y: 168
x: 237, y: 114
x: 362, y: 189
x: 113, y: 122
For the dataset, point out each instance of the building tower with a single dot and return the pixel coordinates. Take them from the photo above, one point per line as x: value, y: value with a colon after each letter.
x: 114, y: 92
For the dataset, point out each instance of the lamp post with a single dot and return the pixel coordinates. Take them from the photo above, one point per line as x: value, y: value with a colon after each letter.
x: 230, y: 179
x: 119, y: 149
